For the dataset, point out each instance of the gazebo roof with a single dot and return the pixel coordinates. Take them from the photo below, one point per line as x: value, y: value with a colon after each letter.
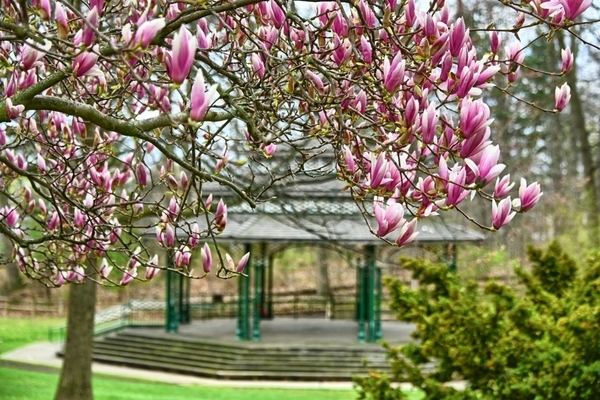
x: 341, y: 229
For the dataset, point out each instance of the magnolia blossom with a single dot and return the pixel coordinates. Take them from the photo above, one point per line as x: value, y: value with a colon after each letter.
x: 206, y: 258
x: 408, y: 233
x: 388, y: 219
x: 179, y: 61
x: 502, y: 213
x: 567, y: 60
x: 241, y: 264
x: 529, y: 195
x: 562, y: 95
x: 200, y: 98
x: 147, y: 32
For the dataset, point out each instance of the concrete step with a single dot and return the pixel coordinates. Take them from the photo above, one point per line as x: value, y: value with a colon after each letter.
x: 176, y: 353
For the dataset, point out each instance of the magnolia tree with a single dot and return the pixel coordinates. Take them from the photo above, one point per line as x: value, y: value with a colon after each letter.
x: 115, y: 114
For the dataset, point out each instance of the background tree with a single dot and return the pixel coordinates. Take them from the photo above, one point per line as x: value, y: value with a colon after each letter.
x: 114, y: 115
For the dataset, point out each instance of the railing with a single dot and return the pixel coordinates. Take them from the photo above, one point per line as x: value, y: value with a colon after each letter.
x: 152, y: 312
x: 134, y: 313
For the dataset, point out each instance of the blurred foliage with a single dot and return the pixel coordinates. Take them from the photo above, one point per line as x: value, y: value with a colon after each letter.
x: 538, y: 341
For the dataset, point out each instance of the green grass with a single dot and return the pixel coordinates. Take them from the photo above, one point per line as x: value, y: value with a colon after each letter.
x: 18, y: 332
x: 18, y: 384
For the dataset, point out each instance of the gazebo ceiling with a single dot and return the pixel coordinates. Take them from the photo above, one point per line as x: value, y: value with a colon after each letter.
x: 314, y: 210
x: 340, y: 229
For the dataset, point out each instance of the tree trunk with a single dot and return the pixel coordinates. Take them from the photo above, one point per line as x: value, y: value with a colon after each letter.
x: 323, y: 283
x: 579, y: 127
x: 13, y: 275
x: 76, y: 374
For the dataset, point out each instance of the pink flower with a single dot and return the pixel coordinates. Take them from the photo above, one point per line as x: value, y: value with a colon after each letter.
x: 529, y: 195
x: 277, y: 14
x: 488, y: 168
x: 200, y: 98
x: 88, y: 35
x: 182, y: 257
x: 221, y: 216
x: 501, y: 213
x: 242, y: 264
x: 270, y: 149
x: 567, y: 60
x: 258, y: 65
x: 169, y: 236
x: 141, y: 174
x: 179, y: 61
x: 494, y: 41
x: 183, y: 180
x: 61, y: 22
x: 104, y: 269
x: 128, y: 276
x: 378, y: 172
x: 458, y: 34
x: 429, y: 121
x: 408, y: 233
x: 388, y: 219
x: 393, y: 74
x: 574, y: 8
x: 147, y: 32
x: 206, y: 258
x: 562, y: 95
x: 45, y: 9
x: 367, y: 13
x: 76, y: 274
x: 152, y: 268
x: 366, y: 50
x: 503, y: 186
x: 13, y: 112
x: 85, y: 61
x: 456, y: 189
x: 30, y: 57
x: 194, y: 239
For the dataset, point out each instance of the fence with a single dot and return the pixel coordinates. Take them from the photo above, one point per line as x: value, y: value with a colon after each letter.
x: 32, y: 307
x: 133, y: 313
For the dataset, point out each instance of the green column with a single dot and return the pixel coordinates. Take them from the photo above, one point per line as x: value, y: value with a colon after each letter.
x: 269, y: 296
x: 370, y: 293
x: 243, y: 323
x: 172, y: 297
x: 360, y: 303
x: 184, y: 299
x: 452, y: 255
x: 258, y: 292
x: 378, y: 294
x: 371, y: 288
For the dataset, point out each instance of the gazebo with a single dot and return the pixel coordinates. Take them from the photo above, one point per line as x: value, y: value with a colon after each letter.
x: 308, y: 212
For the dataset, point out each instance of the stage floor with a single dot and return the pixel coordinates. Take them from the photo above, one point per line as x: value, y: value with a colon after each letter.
x: 295, y: 331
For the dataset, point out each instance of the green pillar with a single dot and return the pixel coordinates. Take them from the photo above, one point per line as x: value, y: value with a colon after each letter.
x: 371, y: 287
x: 184, y: 299
x: 257, y: 304
x: 269, y: 296
x: 360, y: 303
x: 243, y: 322
x: 378, y: 295
x: 172, y: 297
x: 259, y: 290
x: 452, y: 256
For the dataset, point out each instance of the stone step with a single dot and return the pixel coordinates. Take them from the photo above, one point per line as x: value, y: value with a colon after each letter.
x: 317, y: 364
x: 226, y: 360
x: 235, y: 353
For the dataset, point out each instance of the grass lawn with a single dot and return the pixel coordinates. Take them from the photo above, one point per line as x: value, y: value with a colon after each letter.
x: 18, y: 384
x: 18, y: 332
